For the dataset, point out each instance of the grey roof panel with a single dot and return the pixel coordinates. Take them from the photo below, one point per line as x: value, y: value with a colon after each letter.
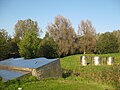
x: 30, y: 63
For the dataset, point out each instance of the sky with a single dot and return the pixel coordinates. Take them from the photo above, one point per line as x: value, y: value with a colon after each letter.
x: 104, y: 14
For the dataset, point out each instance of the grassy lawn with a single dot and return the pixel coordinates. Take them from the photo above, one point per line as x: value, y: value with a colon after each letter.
x: 63, y: 85
x: 71, y: 83
x: 75, y: 77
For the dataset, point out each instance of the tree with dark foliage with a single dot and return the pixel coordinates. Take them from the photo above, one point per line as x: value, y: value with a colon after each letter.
x: 107, y: 43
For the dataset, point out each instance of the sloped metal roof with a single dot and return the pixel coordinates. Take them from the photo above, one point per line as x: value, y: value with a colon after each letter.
x: 27, y: 63
x: 21, y: 62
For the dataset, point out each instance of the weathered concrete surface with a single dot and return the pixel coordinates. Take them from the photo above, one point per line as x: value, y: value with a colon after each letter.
x: 39, y: 67
x: 83, y: 60
x: 110, y: 60
x: 96, y: 60
x: 5, y: 67
x: 52, y: 69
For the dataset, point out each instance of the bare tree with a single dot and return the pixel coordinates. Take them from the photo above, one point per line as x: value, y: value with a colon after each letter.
x: 86, y: 33
x: 63, y: 34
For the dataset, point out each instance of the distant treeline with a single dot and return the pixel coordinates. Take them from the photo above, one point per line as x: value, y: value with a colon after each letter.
x: 60, y: 40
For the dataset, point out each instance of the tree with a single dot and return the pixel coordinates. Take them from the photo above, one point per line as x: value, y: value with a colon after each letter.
x: 23, y: 26
x: 107, y: 43
x: 13, y: 48
x: 63, y: 34
x: 48, y: 47
x: 86, y: 34
x: 29, y: 45
x: 117, y: 35
x: 24, y: 29
x: 3, y: 44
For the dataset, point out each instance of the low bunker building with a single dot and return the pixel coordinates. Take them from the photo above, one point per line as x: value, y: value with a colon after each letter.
x: 39, y: 67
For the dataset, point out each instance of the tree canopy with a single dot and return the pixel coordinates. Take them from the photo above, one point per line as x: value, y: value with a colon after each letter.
x: 4, y: 48
x: 87, y: 34
x: 63, y: 34
x: 48, y: 47
x: 60, y: 40
x: 23, y: 26
x: 107, y: 43
x: 28, y: 46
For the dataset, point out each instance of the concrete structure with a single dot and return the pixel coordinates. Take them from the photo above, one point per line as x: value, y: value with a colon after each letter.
x: 83, y: 61
x: 97, y: 60
x: 39, y: 67
x: 110, y: 60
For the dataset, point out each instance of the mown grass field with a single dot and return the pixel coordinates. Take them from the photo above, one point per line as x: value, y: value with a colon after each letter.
x: 75, y: 77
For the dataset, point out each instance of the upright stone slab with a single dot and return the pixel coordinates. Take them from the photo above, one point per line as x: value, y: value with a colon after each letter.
x: 83, y: 60
x: 110, y: 60
x: 97, y: 60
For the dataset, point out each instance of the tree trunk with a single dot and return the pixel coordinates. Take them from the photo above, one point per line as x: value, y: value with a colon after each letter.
x: 84, y: 51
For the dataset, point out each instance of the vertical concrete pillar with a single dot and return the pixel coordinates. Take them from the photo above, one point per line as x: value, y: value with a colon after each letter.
x: 110, y: 60
x: 97, y: 60
x: 83, y: 60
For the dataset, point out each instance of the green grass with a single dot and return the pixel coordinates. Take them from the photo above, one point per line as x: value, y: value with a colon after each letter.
x: 103, y: 74
x: 75, y: 77
x: 64, y: 85
x: 70, y: 83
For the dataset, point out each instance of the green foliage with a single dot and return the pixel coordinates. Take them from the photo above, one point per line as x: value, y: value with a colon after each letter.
x: 23, y: 26
x: 29, y: 45
x: 62, y: 40
x: 66, y: 73
x: 117, y: 35
x: 48, y: 47
x: 107, y: 43
x: 3, y: 44
x: 15, y: 83
x: 13, y: 48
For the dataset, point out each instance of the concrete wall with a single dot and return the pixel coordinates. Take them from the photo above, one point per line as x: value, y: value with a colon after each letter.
x: 97, y: 60
x: 110, y: 60
x: 52, y: 69
x: 5, y: 67
x: 83, y: 60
